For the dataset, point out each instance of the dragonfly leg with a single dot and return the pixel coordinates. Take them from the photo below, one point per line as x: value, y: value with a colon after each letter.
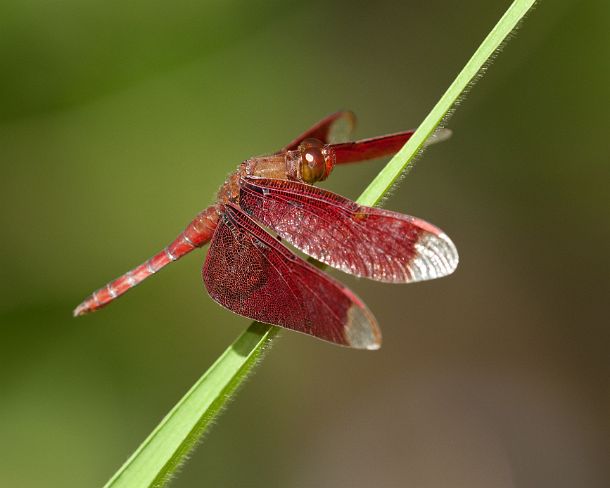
x: 197, y: 234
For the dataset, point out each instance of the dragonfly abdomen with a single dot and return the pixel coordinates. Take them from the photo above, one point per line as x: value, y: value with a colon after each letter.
x: 197, y: 233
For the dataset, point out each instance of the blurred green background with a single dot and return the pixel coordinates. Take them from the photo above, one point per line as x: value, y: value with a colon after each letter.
x: 119, y: 120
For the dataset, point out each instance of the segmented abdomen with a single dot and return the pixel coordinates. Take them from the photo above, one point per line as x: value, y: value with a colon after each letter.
x: 196, y: 234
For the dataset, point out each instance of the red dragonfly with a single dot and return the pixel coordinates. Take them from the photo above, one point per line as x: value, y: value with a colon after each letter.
x: 253, y: 274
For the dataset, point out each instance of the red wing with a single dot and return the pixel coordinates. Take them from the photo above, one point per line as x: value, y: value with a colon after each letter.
x: 334, y: 128
x: 363, y: 241
x: 377, y: 147
x: 252, y: 274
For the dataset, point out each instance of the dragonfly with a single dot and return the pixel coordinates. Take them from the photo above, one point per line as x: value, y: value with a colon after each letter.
x: 270, y: 200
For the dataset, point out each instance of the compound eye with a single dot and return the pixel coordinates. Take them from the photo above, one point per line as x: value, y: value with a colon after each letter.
x: 313, y: 163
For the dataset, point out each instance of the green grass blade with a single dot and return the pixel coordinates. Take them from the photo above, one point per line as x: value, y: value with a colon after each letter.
x: 407, y: 155
x: 157, y: 458
x: 169, y: 444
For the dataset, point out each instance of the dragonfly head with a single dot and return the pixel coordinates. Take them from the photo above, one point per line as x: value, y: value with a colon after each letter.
x: 316, y: 161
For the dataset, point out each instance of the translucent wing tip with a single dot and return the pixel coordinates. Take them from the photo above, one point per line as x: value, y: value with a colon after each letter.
x: 361, y: 329
x: 342, y: 127
x: 439, y: 135
x: 436, y: 257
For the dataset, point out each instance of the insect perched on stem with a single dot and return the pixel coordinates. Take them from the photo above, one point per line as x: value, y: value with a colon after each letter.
x: 253, y: 274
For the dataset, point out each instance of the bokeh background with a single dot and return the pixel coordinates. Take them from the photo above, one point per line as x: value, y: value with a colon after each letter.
x: 119, y: 120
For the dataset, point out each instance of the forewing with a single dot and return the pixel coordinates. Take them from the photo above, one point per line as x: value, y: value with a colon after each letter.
x: 254, y: 275
x: 377, y: 147
x: 363, y: 241
x: 335, y: 128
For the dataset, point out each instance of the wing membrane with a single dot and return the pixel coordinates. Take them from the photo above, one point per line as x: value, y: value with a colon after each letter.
x: 335, y: 128
x: 254, y: 275
x: 377, y: 147
x: 363, y: 241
